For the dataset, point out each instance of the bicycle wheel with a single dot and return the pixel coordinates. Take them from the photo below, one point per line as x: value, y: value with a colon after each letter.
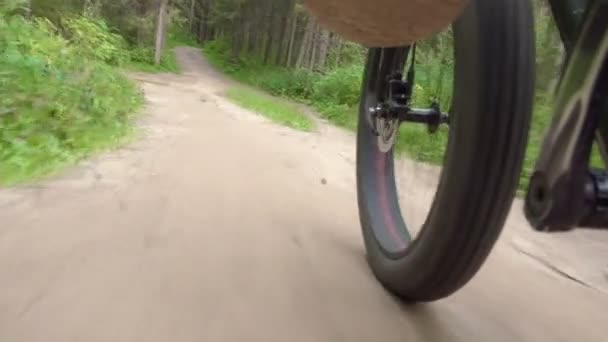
x: 488, y: 127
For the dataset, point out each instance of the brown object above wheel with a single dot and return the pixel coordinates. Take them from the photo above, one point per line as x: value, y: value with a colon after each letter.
x: 384, y: 23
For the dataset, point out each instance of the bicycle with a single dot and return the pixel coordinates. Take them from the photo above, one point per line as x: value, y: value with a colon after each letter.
x: 488, y: 124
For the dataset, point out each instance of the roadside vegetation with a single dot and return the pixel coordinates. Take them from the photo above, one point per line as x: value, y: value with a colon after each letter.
x: 63, y: 91
x: 277, y: 47
x: 280, y: 111
x: 64, y: 94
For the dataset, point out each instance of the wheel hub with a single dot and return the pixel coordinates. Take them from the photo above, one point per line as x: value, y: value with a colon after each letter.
x: 387, y: 133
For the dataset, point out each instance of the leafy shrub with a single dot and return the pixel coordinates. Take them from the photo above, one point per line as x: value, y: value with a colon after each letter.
x: 56, y: 104
x: 93, y: 39
x: 340, y: 87
x: 142, y: 59
x: 434, y: 82
x: 218, y: 52
x: 142, y: 55
x: 298, y: 84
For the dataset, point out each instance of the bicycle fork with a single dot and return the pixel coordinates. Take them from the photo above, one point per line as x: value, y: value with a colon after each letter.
x: 564, y: 192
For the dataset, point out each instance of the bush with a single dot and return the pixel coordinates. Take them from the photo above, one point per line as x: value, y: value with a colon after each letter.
x: 340, y: 87
x: 142, y: 59
x: 93, y: 39
x: 295, y: 84
x: 218, y: 53
x: 298, y: 84
x: 142, y: 55
x: 57, y: 104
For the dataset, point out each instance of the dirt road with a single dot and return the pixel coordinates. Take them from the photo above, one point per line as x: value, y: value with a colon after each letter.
x: 217, y: 225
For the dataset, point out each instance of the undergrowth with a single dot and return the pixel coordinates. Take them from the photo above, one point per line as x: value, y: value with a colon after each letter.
x: 61, y: 96
x: 142, y: 59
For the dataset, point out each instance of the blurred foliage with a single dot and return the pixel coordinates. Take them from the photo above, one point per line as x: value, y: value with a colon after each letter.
x: 93, y: 39
x: 60, y: 99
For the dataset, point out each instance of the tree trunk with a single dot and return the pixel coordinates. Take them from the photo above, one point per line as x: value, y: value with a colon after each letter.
x: 252, y: 40
x: 191, y: 14
x: 292, y: 36
x: 142, y: 11
x: 204, y: 31
x: 314, y: 41
x: 160, y: 31
x: 283, y: 32
x: 236, y: 45
x: 255, y: 37
x: 91, y: 8
x: 338, y: 53
x: 281, y: 40
x: 200, y: 33
x: 305, y: 43
x: 85, y: 7
x: 246, y: 26
x: 252, y: 35
x: 237, y: 34
x: 269, y: 33
x: 323, y: 48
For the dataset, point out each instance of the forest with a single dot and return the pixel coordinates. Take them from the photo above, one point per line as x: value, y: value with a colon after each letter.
x: 65, y: 95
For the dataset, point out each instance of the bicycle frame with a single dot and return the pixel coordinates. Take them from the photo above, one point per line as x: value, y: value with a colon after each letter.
x: 563, y: 192
x: 568, y: 15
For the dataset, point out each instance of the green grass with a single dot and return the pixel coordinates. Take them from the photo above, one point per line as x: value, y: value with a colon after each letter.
x: 277, y: 110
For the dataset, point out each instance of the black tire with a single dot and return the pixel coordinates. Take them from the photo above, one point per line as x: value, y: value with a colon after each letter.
x: 489, y: 121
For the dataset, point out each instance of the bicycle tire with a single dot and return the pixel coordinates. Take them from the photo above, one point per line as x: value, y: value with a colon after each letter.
x: 489, y: 123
